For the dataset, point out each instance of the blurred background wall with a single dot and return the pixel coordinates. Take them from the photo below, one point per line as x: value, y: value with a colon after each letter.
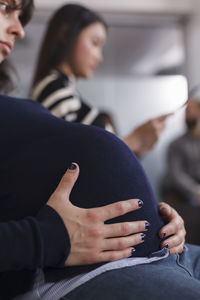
x: 151, y: 57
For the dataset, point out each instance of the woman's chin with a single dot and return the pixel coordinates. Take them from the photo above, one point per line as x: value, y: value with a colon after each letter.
x: 84, y: 75
x: 87, y: 74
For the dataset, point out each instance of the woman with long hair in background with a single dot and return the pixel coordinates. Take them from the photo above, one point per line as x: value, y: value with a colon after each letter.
x: 72, y: 48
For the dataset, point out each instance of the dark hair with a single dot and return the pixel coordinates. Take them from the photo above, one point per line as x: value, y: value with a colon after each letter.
x: 27, y: 7
x: 62, y: 32
x: 6, y: 83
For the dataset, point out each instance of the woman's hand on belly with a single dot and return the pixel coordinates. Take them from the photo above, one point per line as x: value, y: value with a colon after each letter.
x: 93, y: 241
x: 173, y: 232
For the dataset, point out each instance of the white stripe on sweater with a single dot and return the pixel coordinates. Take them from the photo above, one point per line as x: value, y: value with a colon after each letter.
x: 66, y: 106
x: 41, y: 85
x: 90, y: 117
x: 57, y: 95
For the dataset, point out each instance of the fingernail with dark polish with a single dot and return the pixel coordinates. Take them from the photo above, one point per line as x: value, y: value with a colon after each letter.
x: 163, y: 235
x: 147, y: 225
x: 166, y: 246
x: 140, y: 203
x: 133, y: 251
x: 143, y: 235
x: 72, y: 167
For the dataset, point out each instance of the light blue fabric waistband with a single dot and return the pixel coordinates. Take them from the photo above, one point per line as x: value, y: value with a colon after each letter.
x: 54, y: 291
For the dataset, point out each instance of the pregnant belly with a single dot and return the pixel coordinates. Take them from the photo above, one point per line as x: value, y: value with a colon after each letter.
x: 109, y: 172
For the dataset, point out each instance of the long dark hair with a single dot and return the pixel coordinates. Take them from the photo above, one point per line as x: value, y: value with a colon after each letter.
x: 62, y: 32
x: 6, y: 68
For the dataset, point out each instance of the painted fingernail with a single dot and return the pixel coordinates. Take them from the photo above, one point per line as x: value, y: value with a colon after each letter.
x: 163, y: 235
x: 147, y: 225
x: 72, y: 167
x: 133, y: 251
x: 140, y: 203
x: 166, y: 246
x: 143, y: 235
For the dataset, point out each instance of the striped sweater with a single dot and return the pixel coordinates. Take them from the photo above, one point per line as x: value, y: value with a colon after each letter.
x: 58, y: 93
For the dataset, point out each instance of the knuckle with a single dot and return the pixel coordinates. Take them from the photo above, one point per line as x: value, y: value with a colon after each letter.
x: 92, y: 216
x: 179, y: 221
x: 139, y: 226
x: 182, y: 236
x: 120, y: 244
x: 179, y: 240
x: 125, y: 228
x: 120, y: 206
x: 113, y: 256
x: 94, y: 232
x: 68, y: 178
x: 176, y: 223
x: 174, y: 243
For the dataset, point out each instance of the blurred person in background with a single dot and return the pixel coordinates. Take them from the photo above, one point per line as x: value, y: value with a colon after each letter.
x: 181, y: 184
x: 183, y: 158
x: 72, y: 48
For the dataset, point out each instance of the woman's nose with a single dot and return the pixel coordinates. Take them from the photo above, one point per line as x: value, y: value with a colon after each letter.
x: 17, y: 29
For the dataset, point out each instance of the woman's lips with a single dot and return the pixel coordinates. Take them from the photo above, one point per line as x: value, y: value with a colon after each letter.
x: 6, y: 46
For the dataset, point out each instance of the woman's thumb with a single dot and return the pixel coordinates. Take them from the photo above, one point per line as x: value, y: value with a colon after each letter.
x: 68, y: 180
